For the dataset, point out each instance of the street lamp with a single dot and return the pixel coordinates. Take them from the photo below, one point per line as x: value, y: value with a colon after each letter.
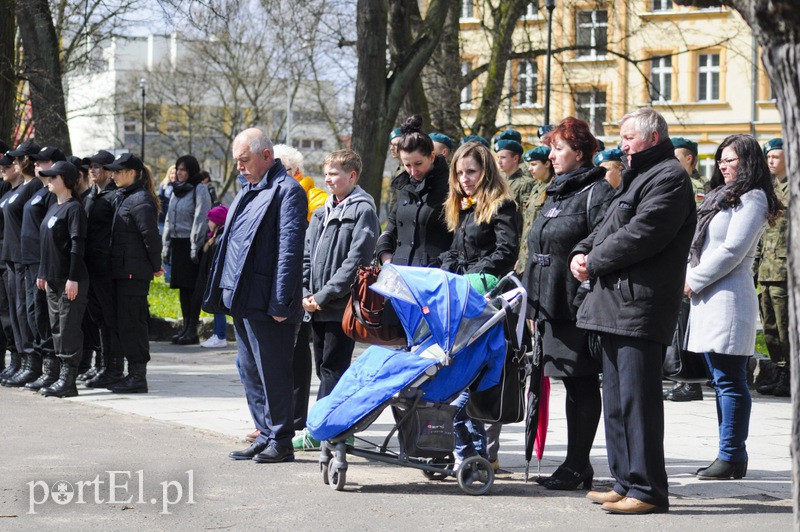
x: 143, y: 86
x: 550, y: 5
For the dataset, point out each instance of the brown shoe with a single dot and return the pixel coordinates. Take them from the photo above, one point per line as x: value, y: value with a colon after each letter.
x: 250, y: 438
x: 631, y: 506
x: 604, y: 496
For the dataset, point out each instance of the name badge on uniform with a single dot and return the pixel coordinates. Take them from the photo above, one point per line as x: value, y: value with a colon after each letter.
x: 52, y: 221
x: 553, y: 212
x: 36, y: 200
x: 12, y: 198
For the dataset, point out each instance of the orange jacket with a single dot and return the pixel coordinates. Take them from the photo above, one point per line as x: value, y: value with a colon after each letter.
x: 316, y: 196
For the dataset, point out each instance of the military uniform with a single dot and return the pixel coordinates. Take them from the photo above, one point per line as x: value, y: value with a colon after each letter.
x: 773, y: 296
x: 521, y: 183
x: 700, y: 186
x: 530, y: 210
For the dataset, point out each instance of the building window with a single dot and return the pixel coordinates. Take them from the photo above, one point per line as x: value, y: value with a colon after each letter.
x: 592, y: 32
x: 466, y: 92
x: 527, y: 82
x: 661, y: 5
x: 591, y: 107
x: 707, y: 77
x: 130, y: 120
x: 318, y: 145
x: 531, y: 10
x: 661, y: 79
x: 467, y: 9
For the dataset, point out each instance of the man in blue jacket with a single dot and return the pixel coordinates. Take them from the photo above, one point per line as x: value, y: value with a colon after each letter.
x: 257, y: 278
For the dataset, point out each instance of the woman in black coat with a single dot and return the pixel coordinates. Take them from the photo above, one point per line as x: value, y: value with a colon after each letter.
x: 576, y: 202
x: 416, y: 234
x: 486, y: 224
x: 135, y: 260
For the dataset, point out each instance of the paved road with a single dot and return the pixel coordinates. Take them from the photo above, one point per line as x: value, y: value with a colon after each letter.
x: 178, y: 436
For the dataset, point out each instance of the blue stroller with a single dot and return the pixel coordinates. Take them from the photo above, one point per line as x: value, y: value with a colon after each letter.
x: 456, y: 340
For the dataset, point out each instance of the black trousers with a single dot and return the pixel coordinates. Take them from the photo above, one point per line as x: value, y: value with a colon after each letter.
x: 65, y: 320
x: 102, y: 314
x: 634, y: 417
x: 6, y: 331
x: 15, y: 285
x: 333, y: 350
x: 301, y: 368
x: 38, y: 314
x: 133, y: 319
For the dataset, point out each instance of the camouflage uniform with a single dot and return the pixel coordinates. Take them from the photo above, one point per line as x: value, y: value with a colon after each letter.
x: 700, y: 186
x: 521, y: 183
x: 773, y: 295
x: 531, y: 210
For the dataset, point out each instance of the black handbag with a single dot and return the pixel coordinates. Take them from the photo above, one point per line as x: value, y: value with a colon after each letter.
x: 681, y: 365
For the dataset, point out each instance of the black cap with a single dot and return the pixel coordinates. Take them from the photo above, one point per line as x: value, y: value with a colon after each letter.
x: 62, y: 168
x: 6, y: 160
x: 125, y: 161
x: 102, y: 157
x: 49, y: 153
x: 26, y: 148
x: 79, y: 163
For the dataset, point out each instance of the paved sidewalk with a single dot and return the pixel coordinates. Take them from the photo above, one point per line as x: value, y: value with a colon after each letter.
x: 200, y: 388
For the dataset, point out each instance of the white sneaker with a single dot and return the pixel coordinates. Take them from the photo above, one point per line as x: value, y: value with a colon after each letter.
x: 214, y: 342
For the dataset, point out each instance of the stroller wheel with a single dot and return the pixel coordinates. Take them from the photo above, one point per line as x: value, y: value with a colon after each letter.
x: 475, y: 475
x: 447, y: 463
x: 324, y: 469
x: 336, y: 477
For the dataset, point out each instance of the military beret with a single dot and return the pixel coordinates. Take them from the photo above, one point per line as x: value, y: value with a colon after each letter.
x: 509, y: 134
x: 544, y: 130
x: 475, y: 138
x: 442, y: 139
x: 510, y: 145
x: 539, y: 153
x: 680, y: 142
x: 608, y: 155
x: 394, y: 134
x: 773, y: 144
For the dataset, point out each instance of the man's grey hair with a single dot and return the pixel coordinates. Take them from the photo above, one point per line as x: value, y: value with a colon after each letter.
x: 261, y: 142
x: 648, y: 121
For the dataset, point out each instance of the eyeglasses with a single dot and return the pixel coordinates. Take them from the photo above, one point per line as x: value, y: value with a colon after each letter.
x: 727, y: 162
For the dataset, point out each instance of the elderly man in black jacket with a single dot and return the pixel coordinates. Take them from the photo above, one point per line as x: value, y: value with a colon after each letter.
x: 636, y: 261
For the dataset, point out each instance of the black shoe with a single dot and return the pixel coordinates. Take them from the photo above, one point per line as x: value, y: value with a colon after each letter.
x: 188, y: 340
x: 32, y: 371
x: 569, y: 479
x: 687, y: 392
x: 783, y: 385
x: 13, y: 367
x: 768, y: 388
x: 64, y: 386
x: 105, y: 378
x: 275, y: 453
x: 249, y: 453
x: 722, y: 470
x: 669, y: 393
x: 90, y: 374
x: 134, y: 382
x: 50, y: 373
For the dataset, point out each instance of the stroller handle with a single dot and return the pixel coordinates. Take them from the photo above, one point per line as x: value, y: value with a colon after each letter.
x: 511, y: 278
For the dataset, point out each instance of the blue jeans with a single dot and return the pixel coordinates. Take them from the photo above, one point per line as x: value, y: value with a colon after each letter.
x: 470, y: 433
x: 729, y: 377
x: 220, y: 326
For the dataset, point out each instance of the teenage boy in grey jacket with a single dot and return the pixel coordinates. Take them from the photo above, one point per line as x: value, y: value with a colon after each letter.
x: 341, y: 237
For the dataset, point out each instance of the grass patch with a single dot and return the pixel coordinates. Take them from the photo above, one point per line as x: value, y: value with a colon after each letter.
x: 164, y: 301
x: 761, y: 345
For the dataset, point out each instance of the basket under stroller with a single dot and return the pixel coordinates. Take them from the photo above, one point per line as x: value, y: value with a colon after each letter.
x: 456, y: 340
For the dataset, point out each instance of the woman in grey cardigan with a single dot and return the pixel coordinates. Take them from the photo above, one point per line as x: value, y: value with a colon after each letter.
x: 719, y: 281
x: 185, y: 231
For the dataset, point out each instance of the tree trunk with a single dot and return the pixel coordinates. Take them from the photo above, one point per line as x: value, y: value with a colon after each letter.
x: 8, y: 75
x: 505, y: 20
x: 442, y: 79
x: 42, y: 69
x: 404, y: 18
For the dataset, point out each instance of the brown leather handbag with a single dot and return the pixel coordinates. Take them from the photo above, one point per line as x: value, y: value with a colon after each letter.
x: 365, y: 317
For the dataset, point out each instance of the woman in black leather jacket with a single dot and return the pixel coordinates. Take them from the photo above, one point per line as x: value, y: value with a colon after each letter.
x: 135, y: 260
x: 416, y: 233
x: 576, y: 202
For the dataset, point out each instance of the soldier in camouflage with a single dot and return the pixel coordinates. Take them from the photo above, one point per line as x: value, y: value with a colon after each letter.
x: 509, y: 157
x: 541, y: 169
x: 771, y: 275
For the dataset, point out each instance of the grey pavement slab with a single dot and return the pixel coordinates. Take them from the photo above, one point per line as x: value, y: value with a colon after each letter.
x: 195, y: 413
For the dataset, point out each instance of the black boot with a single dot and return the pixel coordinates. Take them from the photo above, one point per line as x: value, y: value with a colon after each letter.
x: 13, y: 367
x: 768, y: 388
x: 135, y: 382
x: 32, y: 372
x: 23, y: 367
x: 65, y: 385
x: 185, y: 327
x: 50, y: 373
x: 783, y: 388
x: 85, y: 366
x: 110, y: 374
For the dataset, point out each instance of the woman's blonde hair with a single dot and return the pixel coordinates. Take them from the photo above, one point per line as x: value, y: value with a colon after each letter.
x: 165, y: 181
x: 491, y: 190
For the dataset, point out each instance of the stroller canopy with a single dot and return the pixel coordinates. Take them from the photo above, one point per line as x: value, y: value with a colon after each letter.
x: 432, y: 301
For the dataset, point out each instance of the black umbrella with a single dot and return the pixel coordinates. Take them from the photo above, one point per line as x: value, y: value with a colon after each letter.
x: 538, y: 401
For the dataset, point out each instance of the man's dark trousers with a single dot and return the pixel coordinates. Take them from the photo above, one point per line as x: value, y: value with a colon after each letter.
x: 634, y: 417
x: 264, y: 361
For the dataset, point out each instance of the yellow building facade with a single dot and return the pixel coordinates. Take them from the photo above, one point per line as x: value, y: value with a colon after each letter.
x: 695, y: 66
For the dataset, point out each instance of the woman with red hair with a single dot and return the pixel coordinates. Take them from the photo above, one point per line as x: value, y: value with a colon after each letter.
x: 576, y: 201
